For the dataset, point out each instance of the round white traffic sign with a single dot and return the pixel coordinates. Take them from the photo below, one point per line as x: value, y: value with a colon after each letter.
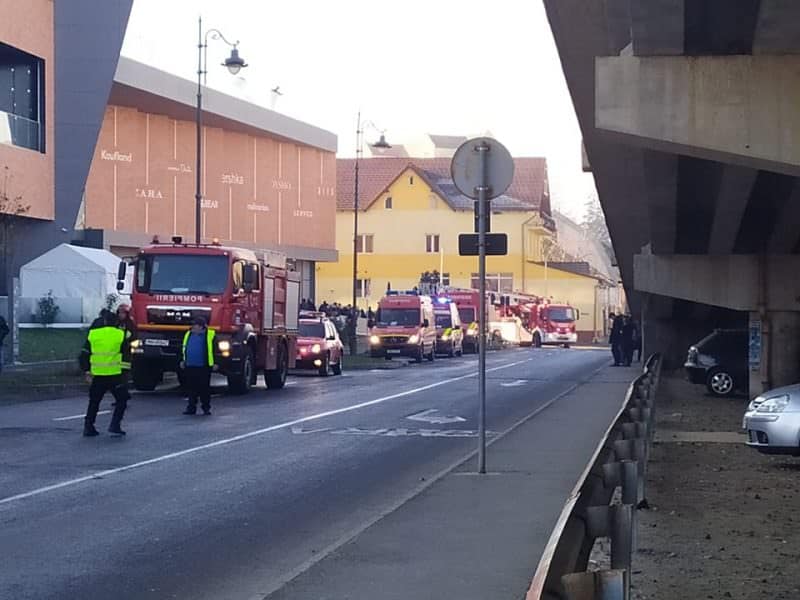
x: 466, y: 168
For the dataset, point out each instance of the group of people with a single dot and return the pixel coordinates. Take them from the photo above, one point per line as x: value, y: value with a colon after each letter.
x: 625, y: 339
x: 106, y: 358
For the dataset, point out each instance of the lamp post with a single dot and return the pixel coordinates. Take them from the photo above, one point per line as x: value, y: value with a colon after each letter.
x: 234, y: 63
x: 381, y: 143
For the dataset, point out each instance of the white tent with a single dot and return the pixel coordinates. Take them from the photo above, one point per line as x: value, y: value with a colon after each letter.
x: 71, y: 272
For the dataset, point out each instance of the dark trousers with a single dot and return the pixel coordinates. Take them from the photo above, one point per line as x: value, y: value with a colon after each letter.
x: 627, y: 352
x: 198, y: 384
x: 100, y: 385
x: 616, y: 351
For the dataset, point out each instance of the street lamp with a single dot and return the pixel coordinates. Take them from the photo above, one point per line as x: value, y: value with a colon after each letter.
x: 381, y: 143
x: 234, y: 63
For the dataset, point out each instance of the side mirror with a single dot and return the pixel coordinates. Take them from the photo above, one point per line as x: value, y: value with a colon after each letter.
x: 250, y: 276
x: 426, y: 323
x: 121, y: 271
x: 120, y: 286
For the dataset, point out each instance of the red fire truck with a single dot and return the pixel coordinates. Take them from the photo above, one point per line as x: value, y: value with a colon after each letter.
x: 545, y: 322
x: 250, y: 301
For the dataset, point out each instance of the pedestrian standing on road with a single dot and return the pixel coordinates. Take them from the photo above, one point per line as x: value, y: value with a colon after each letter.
x: 3, y: 334
x: 615, y: 339
x: 628, y: 337
x: 197, y: 365
x: 102, y: 358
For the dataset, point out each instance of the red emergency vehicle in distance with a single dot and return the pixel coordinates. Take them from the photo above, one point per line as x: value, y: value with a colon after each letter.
x: 251, y: 302
x: 552, y: 323
x: 468, y: 304
x: 404, y: 325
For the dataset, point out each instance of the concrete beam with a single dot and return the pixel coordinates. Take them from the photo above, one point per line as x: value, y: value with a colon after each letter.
x: 685, y: 105
x: 778, y: 27
x: 657, y: 27
x: 735, y: 189
x: 731, y: 281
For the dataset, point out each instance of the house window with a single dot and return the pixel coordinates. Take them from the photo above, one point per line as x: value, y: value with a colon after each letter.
x: 387, y: 204
x: 432, y: 243
x: 445, y: 279
x: 411, y: 180
x: 21, y: 99
x: 495, y: 282
x: 363, y: 288
x: 364, y: 243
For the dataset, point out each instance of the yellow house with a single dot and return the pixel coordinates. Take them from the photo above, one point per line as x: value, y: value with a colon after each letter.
x: 409, y: 218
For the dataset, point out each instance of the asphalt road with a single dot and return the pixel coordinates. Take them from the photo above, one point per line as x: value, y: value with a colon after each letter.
x: 235, y: 505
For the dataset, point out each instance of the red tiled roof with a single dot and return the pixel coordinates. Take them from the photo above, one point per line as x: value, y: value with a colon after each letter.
x: 528, y: 191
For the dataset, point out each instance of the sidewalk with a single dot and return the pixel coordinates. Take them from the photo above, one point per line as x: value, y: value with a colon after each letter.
x: 470, y: 536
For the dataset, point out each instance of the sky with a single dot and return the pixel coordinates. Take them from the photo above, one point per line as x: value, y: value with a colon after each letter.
x: 453, y: 67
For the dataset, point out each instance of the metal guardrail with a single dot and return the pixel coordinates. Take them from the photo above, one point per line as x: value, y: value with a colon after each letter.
x: 590, y: 512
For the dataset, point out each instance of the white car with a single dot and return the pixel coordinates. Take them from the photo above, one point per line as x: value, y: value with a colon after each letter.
x: 772, y: 421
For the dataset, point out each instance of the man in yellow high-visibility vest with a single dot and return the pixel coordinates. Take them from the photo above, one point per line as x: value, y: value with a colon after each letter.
x: 197, y: 364
x: 102, y: 357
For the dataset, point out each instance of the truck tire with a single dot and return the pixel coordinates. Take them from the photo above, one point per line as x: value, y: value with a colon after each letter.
x: 537, y: 340
x: 276, y: 378
x: 241, y: 382
x: 420, y: 353
x: 337, y: 368
x: 145, y: 380
x: 432, y: 355
x: 181, y: 378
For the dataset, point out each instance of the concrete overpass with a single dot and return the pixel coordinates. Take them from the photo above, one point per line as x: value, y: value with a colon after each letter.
x: 690, y: 111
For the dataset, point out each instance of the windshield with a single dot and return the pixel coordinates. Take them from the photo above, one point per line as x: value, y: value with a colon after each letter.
x: 561, y: 314
x: 312, y: 330
x: 182, y: 274
x: 444, y: 321
x: 403, y: 317
x: 467, y: 315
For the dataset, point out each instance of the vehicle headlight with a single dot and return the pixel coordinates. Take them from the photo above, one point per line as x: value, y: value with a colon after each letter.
x: 224, y: 346
x: 413, y: 339
x: 136, y: 344
x: 472, y: 332
x: 316, y: 348
x: 374, y: 340
x: 774, y: 405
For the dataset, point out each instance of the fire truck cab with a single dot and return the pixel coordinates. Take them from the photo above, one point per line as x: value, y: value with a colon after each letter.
x: 251, y: 302
x: 404, y: 325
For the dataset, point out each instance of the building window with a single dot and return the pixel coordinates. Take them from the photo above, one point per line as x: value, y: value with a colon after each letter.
x: 387, y: 204
x: 446, y: 279
x: 21, y: 99
x: 495, y: 282
x: 411, y: 180
x: 363, y: 288
x: 432, y: 243
x: 364, y: 243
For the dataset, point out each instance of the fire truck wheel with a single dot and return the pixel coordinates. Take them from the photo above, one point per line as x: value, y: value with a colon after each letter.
x: 276, y: 378
x: 537, y: 340
x: 452, y: 352
x: 432, y: 355
x: 145, y: 380
x: 419, y: 355
x: 241, y: 382
x: 324, y: 368
x: 460, y: 351
x: 337, y: 368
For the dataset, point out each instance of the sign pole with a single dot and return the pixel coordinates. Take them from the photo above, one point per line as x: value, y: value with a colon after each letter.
x: 482, y: 192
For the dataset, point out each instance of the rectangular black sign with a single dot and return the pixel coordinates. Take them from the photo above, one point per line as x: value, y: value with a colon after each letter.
x: 496, y: 244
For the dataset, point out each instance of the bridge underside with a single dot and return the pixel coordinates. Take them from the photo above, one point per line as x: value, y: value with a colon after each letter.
x: 689, y: 111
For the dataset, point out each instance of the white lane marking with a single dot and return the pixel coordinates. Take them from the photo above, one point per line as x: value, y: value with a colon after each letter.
x: 80, y: 416
x: 244, y: 436
x: 291, y: 383
x: 428, y: 416
x: 516, y: 383
x: 297, y: 430
x: 404, y: 432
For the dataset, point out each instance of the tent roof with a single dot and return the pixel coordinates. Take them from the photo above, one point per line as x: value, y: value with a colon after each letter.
x: 75, y: 258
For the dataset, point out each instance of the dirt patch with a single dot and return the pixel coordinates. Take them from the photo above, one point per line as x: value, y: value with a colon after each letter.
x: 723, y: 521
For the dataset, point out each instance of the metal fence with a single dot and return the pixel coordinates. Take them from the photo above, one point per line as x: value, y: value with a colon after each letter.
x: 595, y: 510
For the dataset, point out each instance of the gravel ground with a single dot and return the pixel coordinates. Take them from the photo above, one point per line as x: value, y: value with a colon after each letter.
x: 723, y: 519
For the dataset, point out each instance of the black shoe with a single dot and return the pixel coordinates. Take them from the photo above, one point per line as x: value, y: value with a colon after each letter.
x: 190, y: 411
x: 90, y: 431
x: 206, y: 412
x: 116, y: 430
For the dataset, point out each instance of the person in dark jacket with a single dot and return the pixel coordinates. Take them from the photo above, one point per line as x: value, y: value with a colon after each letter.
x: 615, y: 339
x: 197, y: 365
x: 629, y: 335
x: 4, y: 330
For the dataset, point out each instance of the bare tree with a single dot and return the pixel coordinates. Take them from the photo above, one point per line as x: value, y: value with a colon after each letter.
x: 594, y: 222
x: 12, y: 207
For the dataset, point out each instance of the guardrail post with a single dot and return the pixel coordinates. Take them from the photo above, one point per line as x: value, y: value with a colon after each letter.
x: 615, y: 522
x: 595, y: 585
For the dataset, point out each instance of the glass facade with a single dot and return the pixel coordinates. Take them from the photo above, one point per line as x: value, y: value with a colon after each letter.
x: 21, y: 99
